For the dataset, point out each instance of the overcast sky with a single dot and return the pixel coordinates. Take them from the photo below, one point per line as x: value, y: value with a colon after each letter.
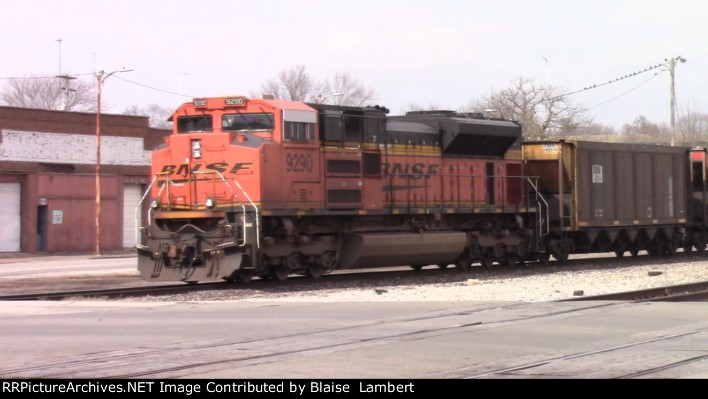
x: 442, y: 52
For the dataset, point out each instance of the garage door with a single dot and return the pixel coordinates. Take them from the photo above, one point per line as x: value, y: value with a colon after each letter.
x: 10, y: 217
x: 131, y: 198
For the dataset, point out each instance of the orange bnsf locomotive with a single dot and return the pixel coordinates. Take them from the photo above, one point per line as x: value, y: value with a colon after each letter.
x: 256, y: 187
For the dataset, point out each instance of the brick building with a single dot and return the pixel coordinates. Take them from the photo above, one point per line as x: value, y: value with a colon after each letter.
x: 47, y: 179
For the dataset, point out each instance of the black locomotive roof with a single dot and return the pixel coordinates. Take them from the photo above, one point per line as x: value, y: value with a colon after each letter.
x: 468, y: 134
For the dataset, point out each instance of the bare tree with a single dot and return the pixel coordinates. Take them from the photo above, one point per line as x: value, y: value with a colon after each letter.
x: 296, y: 84
x: 542, y: 110
x: 693, y: 127
x: 293, y: 84
x: 49, y: 93
x: 418, y: 107
x: 158, y: 115
x: 342, y: 89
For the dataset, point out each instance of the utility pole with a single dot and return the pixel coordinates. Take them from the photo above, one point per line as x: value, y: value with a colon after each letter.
x: 64, y: 85
x: 671, y: 65
x: 101, y: 77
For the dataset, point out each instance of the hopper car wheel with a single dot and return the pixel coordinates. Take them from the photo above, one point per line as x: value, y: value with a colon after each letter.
x: 245, y: 275
x: 417, y: 267
x: 634, y: 249
x: 670, y: 248
x: 687, y: 248
x: 442, y: 266
x: 562, y: 253
x: 700, y: 244
x: 619, y: 253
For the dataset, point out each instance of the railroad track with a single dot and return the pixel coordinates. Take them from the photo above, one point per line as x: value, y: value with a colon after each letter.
x: 694, y: 292
x: 114, y: 293
x: 356, y: 278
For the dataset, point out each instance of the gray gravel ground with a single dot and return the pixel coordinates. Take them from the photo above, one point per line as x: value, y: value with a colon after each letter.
x: 592, y: 274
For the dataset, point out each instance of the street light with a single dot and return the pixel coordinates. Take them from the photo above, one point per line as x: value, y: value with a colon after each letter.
x: 321, y: 99
x: 671, y: 65
x: 101, y: 77
x: 494, y: 110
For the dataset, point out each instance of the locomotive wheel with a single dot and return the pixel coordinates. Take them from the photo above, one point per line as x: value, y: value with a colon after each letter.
x: 463, y: 262
x: 487, y: 260
x: 511, y: 259
x: 544, y: 258
x: 280, y: 272
x: 442, y: 266
x: 245, y: 275
x: 315, y: 271
x: 417, y: 267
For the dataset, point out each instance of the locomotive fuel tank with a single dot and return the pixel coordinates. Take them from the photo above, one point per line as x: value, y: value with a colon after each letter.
x: 402, y: 248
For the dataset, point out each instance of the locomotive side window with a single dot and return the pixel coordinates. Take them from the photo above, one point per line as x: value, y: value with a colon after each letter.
x: 333, y: 128
x: 186, y: 124
x: 260, y: 121
x: 299, y: 131
x: 353, y: 128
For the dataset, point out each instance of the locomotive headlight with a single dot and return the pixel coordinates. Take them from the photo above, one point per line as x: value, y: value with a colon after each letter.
x: 154, y: 204
x: 196, y: 148
x: 210, y: 203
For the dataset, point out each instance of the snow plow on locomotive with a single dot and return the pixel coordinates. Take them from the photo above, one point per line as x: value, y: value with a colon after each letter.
x: 251, y: 187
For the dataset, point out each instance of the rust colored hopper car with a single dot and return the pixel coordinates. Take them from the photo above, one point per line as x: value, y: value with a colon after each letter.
x: 272, y: 188
x: 255, y: 187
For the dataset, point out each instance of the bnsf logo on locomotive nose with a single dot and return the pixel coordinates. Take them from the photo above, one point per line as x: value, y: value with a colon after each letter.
x: 220, y: 167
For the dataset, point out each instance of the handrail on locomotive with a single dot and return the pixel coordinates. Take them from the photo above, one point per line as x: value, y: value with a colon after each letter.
x: 167, y: 182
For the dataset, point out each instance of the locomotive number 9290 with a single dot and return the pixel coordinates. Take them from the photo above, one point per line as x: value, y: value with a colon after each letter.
x: 298, y: 163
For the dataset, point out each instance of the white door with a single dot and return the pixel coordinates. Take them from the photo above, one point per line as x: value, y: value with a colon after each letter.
x: 9, y: 217
x: 131, y: 198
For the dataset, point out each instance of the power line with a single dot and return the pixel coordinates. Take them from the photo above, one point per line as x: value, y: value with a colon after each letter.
x: 631, y: 75
x: 626, y: 92
x: 154, y: 88
x: 44, y: 77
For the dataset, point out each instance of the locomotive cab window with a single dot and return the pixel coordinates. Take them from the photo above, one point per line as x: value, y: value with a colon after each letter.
x: 298, y: 131
x: 187, y: 124
x: 255, y: 121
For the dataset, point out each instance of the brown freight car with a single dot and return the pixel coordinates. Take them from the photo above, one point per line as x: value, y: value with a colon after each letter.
x: 605, y: 197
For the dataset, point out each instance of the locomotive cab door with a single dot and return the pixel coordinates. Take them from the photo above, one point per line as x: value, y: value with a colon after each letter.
x: 490, y: 183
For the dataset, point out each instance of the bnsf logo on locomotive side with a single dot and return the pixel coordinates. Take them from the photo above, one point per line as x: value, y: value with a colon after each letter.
x: 220, y: 167
x: 414, y: 171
